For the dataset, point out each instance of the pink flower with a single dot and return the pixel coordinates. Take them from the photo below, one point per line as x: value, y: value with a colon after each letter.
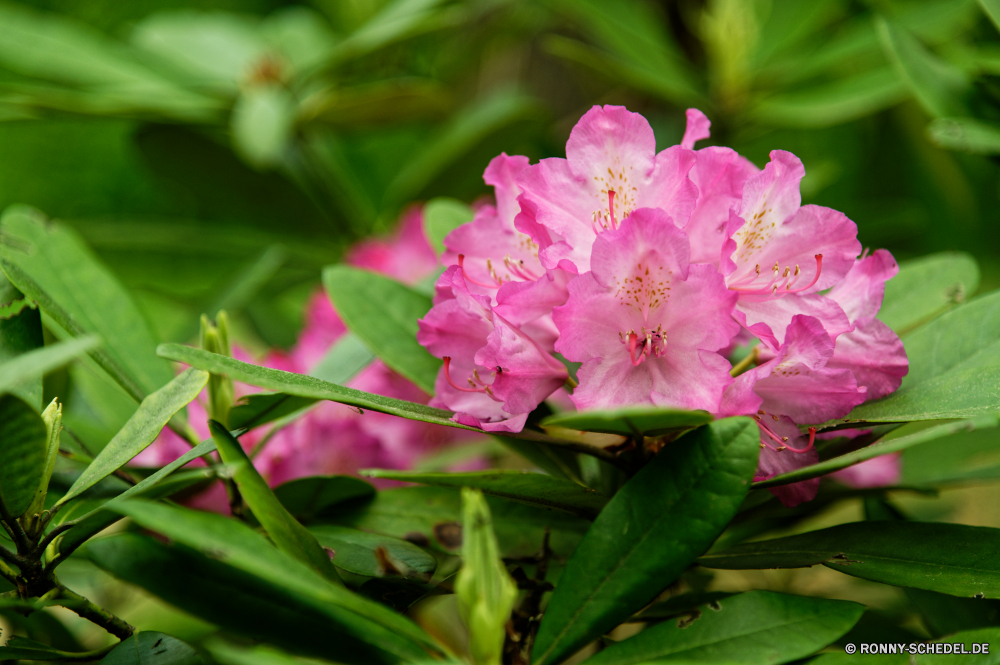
x: 405, y: 256
x: 645, y: 323
x: 611, y: 169
x: 876, y: 472
x: 493, y: 374
x: 871, y: 350
x: 780, y: 254
x: 796, y: 387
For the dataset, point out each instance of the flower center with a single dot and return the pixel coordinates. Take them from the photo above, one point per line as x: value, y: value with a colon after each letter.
x: 641, y: 346
x: 608, y: 220
x: 780, y: 442
x: 782, y: 282
x: 476, y: 384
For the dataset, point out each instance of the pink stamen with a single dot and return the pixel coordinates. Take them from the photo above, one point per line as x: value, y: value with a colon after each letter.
x: 447, y: 377
x: 468, y: 278
x: 632, y: 344
x: 774, y: 289
x: 611, y: 209
x: 812, y: 440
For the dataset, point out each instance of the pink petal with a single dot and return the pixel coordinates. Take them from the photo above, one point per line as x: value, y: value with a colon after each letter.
x: 774, y: 463
x: 405, y: 256
x: 861, y: 291
x: 719, y: 174
x: 875, y: 472
x: 875, y: 355
x: 697, y: 128
x: 769, y: 319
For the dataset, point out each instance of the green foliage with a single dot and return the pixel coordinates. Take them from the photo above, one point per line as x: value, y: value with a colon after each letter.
x: 695, y: 487
x: 373, y: 555
x: 152, y: 648
x: 638, y: 421
x: 24, y: 450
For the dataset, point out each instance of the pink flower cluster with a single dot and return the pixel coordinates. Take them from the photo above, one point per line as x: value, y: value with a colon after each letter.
x: 650, y: 268
x: 333, y: 438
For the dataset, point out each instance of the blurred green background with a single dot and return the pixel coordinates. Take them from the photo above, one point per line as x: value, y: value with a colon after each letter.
x: 219, y: 153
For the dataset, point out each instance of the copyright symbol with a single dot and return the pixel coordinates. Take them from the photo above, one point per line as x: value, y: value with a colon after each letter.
x: 850, y: 648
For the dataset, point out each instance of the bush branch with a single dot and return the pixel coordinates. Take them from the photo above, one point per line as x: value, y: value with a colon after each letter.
x: 94, y: 614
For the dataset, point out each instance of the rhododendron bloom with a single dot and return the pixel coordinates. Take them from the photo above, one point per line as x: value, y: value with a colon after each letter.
x: 645, y: 323
x: 611, y: 169
x: 781, y: 254
x: 493, y: 373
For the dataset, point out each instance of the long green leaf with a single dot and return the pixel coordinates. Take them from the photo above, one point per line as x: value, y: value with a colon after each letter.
x: 237, y: 545
x: 141, y: 429
x: 949, y: 558
x: 309, y: 497
x: 356, y: 552
x: 880, y: 448
x: 151, y: 648
x: 630, y: 421
x: 43, y: 360
x: 23, y: 448
x: 759, y: 627
x: 534, y: 489
x: 954, y: 368
x: 67, y: 271
x: 290, y: 536
x: 20, y: 332
x: 655, y: 526
x: 383, y: 313
x: 965, y: 134
x: 926, y: 286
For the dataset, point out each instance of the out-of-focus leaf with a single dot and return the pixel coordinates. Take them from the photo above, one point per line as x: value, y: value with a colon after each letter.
x: 285, y: 532
x: 468, y: 127
x: 213, y: 51
x: 939, y: 87
x: 694, y: 485
x: 629, y: 421
x: 396, y: 20
x: 969, y: 639
x: 832, y: 103
x: 22, y: 648
x: 555, y: 460
x: 485, y: 591
x: 57, y: 48
x: 254, y: 590
x: 301, y: 34
x: 535, y: 489
x: 29, y: 365
x: 152, y: 648
x: 59, y: 263
x: 262, y: 123
x: 992, y: 9
x: 880, y: 448
x: 262, y: 408
x: 948, y: 558
x: 965, y: 134
x: 441, y: 217
x: 358, y: 552
x: 640, y: 46
x: 954, y: 368
x: 383, y: 313
x: 926, y: 286
x: 343, y: 360
x: 307, y: 498
x: 960, y: 457
x: 378, y: 103
x: 752, y: 627
x: 20, y: 331
x: 143, y: 427
x: 23, y: 446
x: 432, y: 515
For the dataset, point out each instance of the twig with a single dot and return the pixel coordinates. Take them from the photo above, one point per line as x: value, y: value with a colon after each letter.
x: 53, y: 534
x: 14, y: 529
x: 93, y: 613
x: 8, y: 573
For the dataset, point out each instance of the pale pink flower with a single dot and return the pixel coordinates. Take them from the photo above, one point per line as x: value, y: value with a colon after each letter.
x: 645, y: 323
x: 611, y: 169
x: 877, y: 472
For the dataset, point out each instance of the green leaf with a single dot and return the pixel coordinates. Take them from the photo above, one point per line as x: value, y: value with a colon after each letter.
x: 239, y: 546
x: 554, y: 459
x: 383, y: 313
x: 970, y: 639
x: 441, y: 217
x: 286, y: 533
x: 965, y: 134
x: 41, y: 361
x: 394, y: 21
x: 534, y: 489
x: 142, y: 428
x: 759, y: 627
x: 938, y: 86
x: 52, y: 417
x: 152, y: 648
x: 23, y: 446
x: 925, y: 287
x: 262, y: 123
x: 668, y: 514
x: 20, y: 332
x: 310, y: 497
x: 954, y: 368
x: 961, y: 457
x: 343, y: 360
x: 485, y: 591
x: 68, y: 274
x: 432, y: 515
x: 263, y: 408
x: 949, y: 558
x: 152, y: 487
x: 992, y: 9
x: 22, y: 648
x: 355, y: 552
x: 879, y: 448
x: 630, y: 421
x: 304, y: 386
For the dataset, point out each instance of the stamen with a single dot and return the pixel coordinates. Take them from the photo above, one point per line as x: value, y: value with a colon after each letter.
x: 447, y: 377
x: 772, y: 288
x: 611, y: 209
x: 632, y: 344
x: 468, y: 278
x: 812, y: 440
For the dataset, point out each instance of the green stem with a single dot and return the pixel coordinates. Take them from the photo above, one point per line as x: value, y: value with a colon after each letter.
x: 8, y: 573
x: 744, y: 364
x: 94, y: 613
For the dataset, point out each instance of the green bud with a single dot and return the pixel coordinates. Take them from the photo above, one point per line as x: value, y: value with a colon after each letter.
x: 52, y: 416
x: 215, y: 339
x: 485, y: 591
